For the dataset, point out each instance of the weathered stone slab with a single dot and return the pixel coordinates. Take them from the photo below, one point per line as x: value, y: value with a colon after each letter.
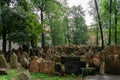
x: 24, y: 76
x: 13, y: 60
x: 72, y: 64
x: 3, y: 72
x: 34, y: 64
x: 47, y: 67
x: 3, y: 62
x: 111, y: 56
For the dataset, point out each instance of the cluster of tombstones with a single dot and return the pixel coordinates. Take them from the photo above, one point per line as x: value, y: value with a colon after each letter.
x: 18, y: 59
x: 36, y: 60
x: 32, y: 61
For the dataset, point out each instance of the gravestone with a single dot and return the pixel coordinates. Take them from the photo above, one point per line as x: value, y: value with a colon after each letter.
x: 24, y: 76
x: 72, y: 65
x: 3, y: 62
x: 25, y: 63
x: 56, y: 58
x: 59, y: 69
x: 23, y: 58
x: 3, y: 72
x: 111, y: 55
x: 13, y: 60
x: 25, y: 55
x: 47, y: 67
x: 34, y: 64
x: 48, y: 55
x: 102, y: 68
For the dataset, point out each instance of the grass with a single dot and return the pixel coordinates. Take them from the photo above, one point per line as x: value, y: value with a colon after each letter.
x: 42, y: 76
x: 12, y: 73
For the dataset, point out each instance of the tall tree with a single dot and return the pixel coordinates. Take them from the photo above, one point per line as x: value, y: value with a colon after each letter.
x: 79, y: 27
x: 56, y: 23
x: 110, y: 12
x: 100, y: 24
x: 94, y: 25
x: 40, y: 5
x: 4, y: 5
x: 116, y: 20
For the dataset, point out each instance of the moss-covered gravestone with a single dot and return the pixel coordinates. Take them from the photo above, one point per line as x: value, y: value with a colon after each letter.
x: 3, y: 62
x: 13, y: 60
x: 24, y: 76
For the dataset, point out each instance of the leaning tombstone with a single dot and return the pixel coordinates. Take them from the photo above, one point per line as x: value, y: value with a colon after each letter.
x: 25, y: 63
x: 24, y: 76
x: 3, y: 62
x: 23, y: 57
x: 13, y: 60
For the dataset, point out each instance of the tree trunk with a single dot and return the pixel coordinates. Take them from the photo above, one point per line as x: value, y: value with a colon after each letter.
x: 100, y: 25
x: 49, y: 18
x: 68, y: 35
x: 10, y: 46
x: 116, y: 19
x: 4, y: 34
x: 109, y: 40
x: 43, y: 37
x: 97, y: 39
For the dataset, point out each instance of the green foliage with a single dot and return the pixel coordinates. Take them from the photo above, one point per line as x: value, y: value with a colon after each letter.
x: 33, y: 29
x: 105, y: 18
x: 104, y: 10
x: 4, y: 2
x: 35, y: 76
x: 22, y: 26
x: 43, y: 76
x: 30, y: 33
x: 55, y: 15
x: 15, y: 23
x: 13, y: 19
x: 24, y: 5
x: 11, y: 74
x: 79, y: 28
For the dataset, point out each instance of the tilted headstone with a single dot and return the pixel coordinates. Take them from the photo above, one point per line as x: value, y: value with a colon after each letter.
x: 24, y: 76
x: 23, y: 57
x: 3, y: 62
x: 13, y: 60
x: 25, y: 63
